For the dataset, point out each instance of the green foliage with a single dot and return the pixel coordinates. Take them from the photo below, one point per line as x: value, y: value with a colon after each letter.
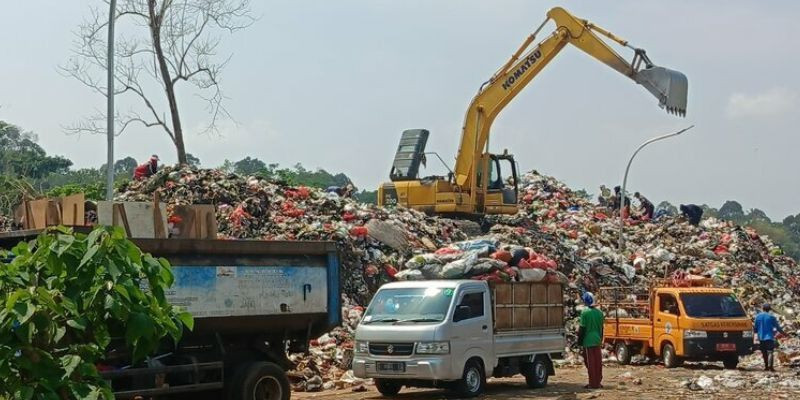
x: 93, y: 191
x: 193, y: 161
x: 669, y: 207
x: 66, y: 297
x: 249, y: 166
x: 20, y: 155
x: 370, y: 197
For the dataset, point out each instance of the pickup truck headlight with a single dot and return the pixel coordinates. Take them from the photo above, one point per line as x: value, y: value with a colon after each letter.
x: 362, y: 347
x: 690, y: 334
x: 747, y: 334
x: 433, y: 348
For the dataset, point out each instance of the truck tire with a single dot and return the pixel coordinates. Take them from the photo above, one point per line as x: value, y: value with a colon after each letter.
x: 388, y: 387
x: 536, y: 376
x: 730, y: 362
x: 623, y: 353
x: 260, y: 380
x: 671, y: 360
x: 473, y: 381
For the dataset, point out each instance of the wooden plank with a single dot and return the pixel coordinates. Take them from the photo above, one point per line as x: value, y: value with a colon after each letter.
x: 522, y: 293
x: 555, y: 316
x: 554, y: 294
x: 503, y: 294
x: 522, y: 318
x: 53, y: 214
x: 538, y: 293
x: 504, y: 318
x: 539, y: 317
x: 37, y: 214
x: 73, y: 210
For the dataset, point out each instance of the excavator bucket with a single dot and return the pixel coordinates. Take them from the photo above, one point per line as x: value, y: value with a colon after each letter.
x: 670, y: 87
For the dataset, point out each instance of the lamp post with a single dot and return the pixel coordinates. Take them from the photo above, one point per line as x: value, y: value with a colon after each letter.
x: 110, y: 103
x: 625, y: 181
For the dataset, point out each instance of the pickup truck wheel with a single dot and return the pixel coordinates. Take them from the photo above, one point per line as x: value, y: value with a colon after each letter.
x: 388, y: 387
x: 536, y: 377
x: 473, y: 382
x: 260, y: 381
x: 668, y: 354
x: 623, y: 353
x: 730, y: 362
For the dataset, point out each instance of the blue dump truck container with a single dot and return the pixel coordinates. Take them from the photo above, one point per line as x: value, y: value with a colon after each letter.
x: 252, y: 302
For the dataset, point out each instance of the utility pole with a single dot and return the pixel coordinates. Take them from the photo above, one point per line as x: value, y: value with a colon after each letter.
x: 625, y: 182
x: 110, y: 104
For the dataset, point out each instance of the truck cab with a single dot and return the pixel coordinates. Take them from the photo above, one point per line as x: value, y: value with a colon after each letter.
x: 456, y: 333
x: 695, y: 323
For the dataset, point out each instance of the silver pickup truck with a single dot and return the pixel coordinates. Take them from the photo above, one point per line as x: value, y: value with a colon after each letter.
x: 454, y: 333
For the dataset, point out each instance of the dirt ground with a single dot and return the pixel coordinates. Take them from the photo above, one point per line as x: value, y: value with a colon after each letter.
x: 620, y: 382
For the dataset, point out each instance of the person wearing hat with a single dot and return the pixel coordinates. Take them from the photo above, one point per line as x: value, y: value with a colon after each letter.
x: 766, y: 326
x: 590, y: 337
x: 147, y: 169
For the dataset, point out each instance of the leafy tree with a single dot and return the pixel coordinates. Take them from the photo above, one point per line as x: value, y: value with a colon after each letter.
x: 20, y: 155
x: 193, y: 161
x: 731, y: 211
x: 249, y: 166
x: 125, y: 166
x: 757, y: 215
x: 67, y: 297
x: 370, y: 197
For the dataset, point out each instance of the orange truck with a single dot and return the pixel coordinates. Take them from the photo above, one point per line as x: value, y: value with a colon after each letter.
x: 676, y: 321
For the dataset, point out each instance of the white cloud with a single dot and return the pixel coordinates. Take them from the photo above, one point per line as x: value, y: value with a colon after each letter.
x: 772, y: 102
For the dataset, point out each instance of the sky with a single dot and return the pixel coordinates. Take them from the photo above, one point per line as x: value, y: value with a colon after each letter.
x: 332, y: 84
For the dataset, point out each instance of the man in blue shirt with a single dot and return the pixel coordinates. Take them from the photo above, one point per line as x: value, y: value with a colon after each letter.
x: 765, y: 326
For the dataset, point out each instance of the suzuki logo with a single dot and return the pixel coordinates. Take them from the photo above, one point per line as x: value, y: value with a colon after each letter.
x: 390, y: 349
x: 725, y: 335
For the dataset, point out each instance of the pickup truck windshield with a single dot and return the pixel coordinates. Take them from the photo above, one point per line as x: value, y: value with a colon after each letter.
x: 411, y: 305
x: 712, y: 305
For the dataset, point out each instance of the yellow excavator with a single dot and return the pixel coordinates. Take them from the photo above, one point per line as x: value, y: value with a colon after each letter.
x: 483, y: 183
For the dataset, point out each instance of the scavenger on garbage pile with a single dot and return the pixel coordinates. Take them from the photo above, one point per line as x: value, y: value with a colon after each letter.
x: 604, y: 198
x: 616, y: 201
x: 147, y: 169
x: 692, y: 212
x: 646, y: 208
x: 766, y: 326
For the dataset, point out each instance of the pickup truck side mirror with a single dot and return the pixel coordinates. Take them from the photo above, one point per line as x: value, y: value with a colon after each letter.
x: 462, y: 313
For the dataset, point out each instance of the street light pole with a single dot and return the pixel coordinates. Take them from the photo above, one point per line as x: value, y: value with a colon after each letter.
x: 110, y: 104
x: 625, y: 181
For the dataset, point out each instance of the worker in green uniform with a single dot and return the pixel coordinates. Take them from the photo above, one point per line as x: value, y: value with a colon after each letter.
x: 590, y: 337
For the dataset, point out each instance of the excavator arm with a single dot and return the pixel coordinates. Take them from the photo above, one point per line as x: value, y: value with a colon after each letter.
x: 670, y: 87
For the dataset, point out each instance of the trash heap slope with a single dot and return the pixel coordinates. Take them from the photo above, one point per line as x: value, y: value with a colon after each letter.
x: 256, y: 208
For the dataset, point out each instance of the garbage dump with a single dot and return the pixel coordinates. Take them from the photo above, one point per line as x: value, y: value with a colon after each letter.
x: 557, y: 235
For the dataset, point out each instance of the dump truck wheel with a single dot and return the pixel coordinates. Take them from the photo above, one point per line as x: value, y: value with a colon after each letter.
x: 260, y: 380
x: 388, y: 387
x: 730, y: 362
x: 671, y: 360
x: 623, y: 353
x: 536, y: 377
x: 473, y: 381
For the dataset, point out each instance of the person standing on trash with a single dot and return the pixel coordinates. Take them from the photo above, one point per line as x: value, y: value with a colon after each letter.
x: 604, y: 198
x: 692, y: 212
x: 147, y: 169
x: 590, y: 337
x: 766, y: 326
x: 646, y: 208
x: 617, y: 199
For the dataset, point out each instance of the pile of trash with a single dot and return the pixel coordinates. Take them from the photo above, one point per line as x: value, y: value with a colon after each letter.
x: 373, y: 241
x: 6, y: 223
x: 558, y: 235
x: 483, y: 259
x: 582, y: 237
x: 739, y: 381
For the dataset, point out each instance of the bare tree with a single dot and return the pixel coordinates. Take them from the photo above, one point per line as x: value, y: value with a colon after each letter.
x: 161, y: 44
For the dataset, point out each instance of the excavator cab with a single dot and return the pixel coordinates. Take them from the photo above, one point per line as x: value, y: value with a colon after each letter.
x: 499, y: 194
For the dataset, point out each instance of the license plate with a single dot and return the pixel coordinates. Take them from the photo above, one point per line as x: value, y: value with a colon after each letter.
x: 391, y: 367
x: 726, y: 346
